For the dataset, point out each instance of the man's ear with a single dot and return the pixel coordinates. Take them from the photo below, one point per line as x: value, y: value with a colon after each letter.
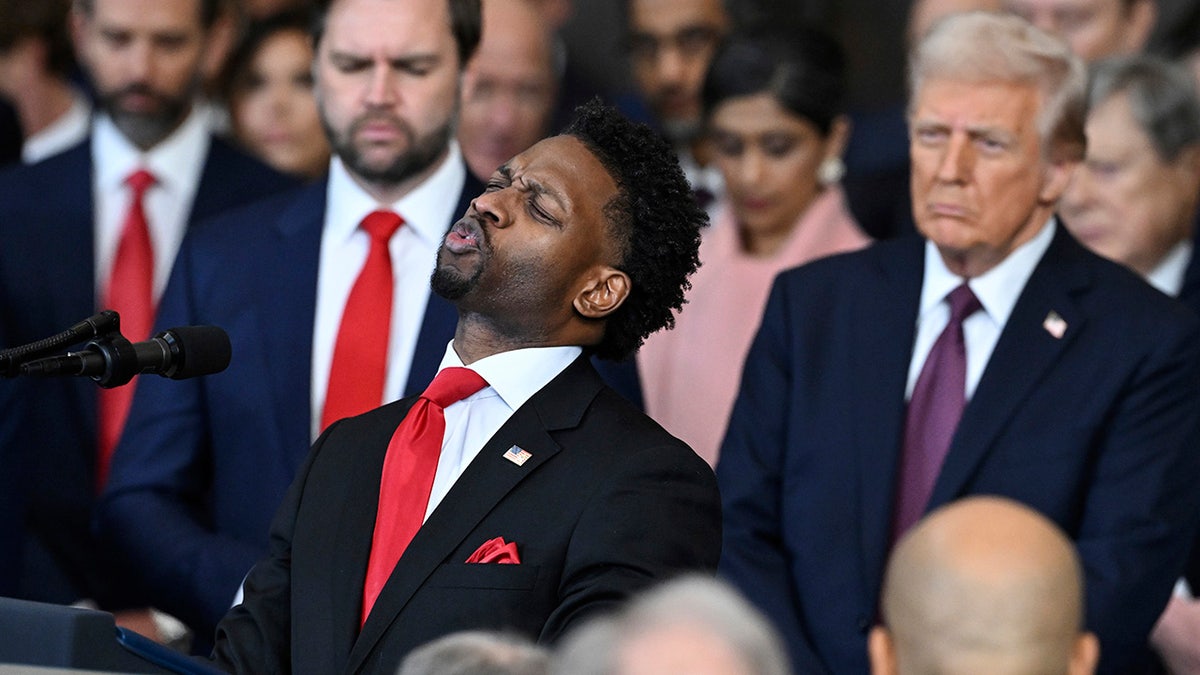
x: 881, y: 652
x: 604, y: 292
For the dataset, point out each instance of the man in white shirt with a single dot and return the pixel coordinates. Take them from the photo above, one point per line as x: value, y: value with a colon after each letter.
x: 299, y: 282
x: 63, y: 221
x: 543, y: 497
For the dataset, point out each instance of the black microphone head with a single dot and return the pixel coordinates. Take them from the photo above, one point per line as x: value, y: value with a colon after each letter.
x: 196, y: 351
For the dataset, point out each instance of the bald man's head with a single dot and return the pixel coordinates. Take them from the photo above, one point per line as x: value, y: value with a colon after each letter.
x: 984, y: 585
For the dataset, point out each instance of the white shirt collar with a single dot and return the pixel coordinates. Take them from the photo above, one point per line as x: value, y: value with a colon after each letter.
x: 176, y: 162
x: 66, y: 131
x: 998, y: 288
x: 424, y: 209
x: 1168, y: 275
x: 518, y: 374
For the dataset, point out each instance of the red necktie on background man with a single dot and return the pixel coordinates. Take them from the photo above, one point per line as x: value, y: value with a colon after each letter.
x: 131, y: 293
x: 937, y: 404
x: 359, y: 367
x: 408, y: 471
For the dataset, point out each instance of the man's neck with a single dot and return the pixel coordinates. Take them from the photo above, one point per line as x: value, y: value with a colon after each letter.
x: 42, y: 105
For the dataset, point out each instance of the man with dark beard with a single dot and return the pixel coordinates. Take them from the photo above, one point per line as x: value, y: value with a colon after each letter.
x: 325, y: 295
x: 98, y: 226
x: 518, y: 492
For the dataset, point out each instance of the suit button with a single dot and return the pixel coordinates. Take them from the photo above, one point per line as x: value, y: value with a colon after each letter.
x: 864, y: 625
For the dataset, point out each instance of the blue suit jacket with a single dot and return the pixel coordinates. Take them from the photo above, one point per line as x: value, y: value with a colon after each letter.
x: 48, y: 429
x: 204, y: 463
x: 1097, y: 429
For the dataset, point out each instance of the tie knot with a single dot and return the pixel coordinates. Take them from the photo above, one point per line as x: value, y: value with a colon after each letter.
x: 140, y: 180
x: 963, y: 303
x: 453, y: 385
x: 381, y: 225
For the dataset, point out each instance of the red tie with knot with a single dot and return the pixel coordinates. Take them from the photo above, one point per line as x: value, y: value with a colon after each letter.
x: 408, y: 471
x: 131, y: 293
x: 937, y: 403
x: 359, y: 367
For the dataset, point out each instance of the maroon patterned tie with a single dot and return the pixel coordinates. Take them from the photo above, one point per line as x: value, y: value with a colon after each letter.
x: 937, y: 403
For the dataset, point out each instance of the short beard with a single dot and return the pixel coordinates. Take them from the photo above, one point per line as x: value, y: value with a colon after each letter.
x: 421, y: 154
x: 682, y: 132
x: 146, y: 130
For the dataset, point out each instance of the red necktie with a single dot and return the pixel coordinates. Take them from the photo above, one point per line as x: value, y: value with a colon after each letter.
x: 408, y: 471
x: 359, y: 366
x: 937, y: 403
x: 131, y: 293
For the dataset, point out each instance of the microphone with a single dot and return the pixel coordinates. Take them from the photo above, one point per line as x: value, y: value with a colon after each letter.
x: 177, y: 353
x: 94, y: 326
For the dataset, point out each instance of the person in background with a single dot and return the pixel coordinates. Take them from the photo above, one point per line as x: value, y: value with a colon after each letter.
x: 692, y: 625
x: 671, y: 43
x: 509, y: 87
x: 97, y: 226
x: 268, y: 90
x: 1095, y: 29
x: 776, y: 124
x: 35, y: 68
x: 996, y: 355
x: 1134, y: 200
x: 477, y: 653
x: 983, y: 585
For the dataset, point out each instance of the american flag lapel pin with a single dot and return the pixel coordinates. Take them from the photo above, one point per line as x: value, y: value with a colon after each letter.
x: 517, y: 455
x: 1055, y: 324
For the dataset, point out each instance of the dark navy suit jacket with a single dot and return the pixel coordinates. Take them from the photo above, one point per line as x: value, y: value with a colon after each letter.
x: 48, y: 427
x: 204, y: 463
x: 1099, y: 429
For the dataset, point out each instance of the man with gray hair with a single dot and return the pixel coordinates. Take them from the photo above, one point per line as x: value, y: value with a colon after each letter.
x: 984, y: 584
x: 997, y: 356
x: 693, y: 624
x: 477, y: 652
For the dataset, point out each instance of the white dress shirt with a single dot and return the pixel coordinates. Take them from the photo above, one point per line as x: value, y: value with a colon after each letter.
x: 176, y: 163
x: 997, y: 290
x: 513, y: 377
x: 1168, y: 275
x: 70, y: 128
x: 427, y: 212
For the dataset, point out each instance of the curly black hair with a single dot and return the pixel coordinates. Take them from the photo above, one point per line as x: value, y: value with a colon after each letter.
x: 653, y: 217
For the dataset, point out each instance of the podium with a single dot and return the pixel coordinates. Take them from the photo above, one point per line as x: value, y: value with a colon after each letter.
x: 56, y: 636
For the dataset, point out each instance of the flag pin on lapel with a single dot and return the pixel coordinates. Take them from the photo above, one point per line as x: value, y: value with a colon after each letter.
x: 1055, y: 324
x: 517, y: 456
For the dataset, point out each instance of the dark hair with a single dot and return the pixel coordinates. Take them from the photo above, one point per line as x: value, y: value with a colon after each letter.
x: 653, y: 218
x: 803, y: 71
x: 43, y: 19
x: 466, y: 23
x: 1177, y: 34
x: 257, y: 33
x: 208, y: 9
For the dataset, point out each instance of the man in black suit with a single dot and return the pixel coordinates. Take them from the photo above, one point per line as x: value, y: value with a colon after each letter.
x: 581, y: 244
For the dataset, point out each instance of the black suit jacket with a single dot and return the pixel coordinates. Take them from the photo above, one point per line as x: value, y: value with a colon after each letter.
x: 608, y: 504
x: 1098, y: 428
x: 48, y: 427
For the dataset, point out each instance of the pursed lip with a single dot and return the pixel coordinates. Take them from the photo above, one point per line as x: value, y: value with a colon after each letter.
x: 465, y: 236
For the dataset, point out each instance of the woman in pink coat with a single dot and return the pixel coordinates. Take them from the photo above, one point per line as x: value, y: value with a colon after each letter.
x: 775, y: 121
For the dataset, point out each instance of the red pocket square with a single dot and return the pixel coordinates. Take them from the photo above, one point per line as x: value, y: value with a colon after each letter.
x: 496, y: 551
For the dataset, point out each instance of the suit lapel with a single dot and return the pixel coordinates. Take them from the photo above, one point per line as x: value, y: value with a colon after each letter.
x: 290, y: 271
x: 886, y: 326
x: 441, y: 317
x: 1024, y: 354
x: 486, y: 481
